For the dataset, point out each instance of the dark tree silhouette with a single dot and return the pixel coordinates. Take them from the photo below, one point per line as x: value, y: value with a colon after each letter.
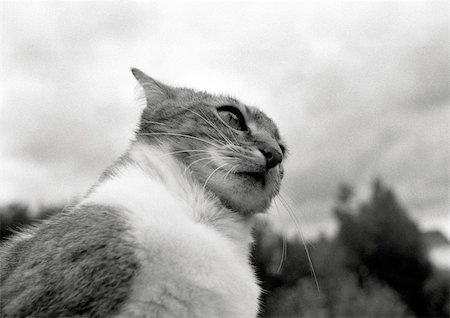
x: 382, y: 241
x: 16, y: 216
x: 12, y: 218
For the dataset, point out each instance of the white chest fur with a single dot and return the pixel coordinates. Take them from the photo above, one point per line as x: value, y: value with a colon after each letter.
x: 193, y: 253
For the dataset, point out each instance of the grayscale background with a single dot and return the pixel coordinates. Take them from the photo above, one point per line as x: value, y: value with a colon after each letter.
x: 360, y: 90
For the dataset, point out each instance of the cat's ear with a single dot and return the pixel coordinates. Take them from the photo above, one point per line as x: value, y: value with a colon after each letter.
x: 155, y: 92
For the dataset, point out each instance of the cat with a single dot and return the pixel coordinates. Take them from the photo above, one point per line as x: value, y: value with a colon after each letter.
x: 166, y: 231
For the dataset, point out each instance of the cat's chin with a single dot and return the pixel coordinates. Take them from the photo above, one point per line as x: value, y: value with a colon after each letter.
x: 248, y: 193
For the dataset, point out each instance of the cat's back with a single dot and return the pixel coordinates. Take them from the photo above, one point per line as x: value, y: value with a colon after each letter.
x: 99, y: 261
x: 80, y: 262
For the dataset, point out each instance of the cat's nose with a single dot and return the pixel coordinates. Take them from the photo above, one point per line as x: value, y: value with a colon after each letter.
x: 273, y: 157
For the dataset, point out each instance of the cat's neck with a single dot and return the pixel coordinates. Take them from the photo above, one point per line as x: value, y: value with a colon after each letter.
x: 151, y: 183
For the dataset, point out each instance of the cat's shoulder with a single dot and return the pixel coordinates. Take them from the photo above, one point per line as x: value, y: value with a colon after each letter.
x: 80, y: 262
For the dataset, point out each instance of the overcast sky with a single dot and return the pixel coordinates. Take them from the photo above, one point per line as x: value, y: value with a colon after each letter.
x: 359, y: 90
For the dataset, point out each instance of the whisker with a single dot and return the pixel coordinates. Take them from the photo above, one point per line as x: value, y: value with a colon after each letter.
x: 293, y: 217
x: 219, y: 131
x: 153, y: 122
x: 209, y: 122
x: 211, y: 158
x: 157, y: 123
x: 181, y: 151
x: 284, y: 247
x: 218, y: 157
x: 195, y: 161
x: 179, y: 135
x: 231, y: 130
x: 236, y: 149
x: 216, y: 140
x: 229, y: 171
x: 200, y: 152
x: 211, y: 174
x: 205, y: 119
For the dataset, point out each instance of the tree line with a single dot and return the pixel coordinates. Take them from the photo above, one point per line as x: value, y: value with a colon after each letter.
x: 376, y: 266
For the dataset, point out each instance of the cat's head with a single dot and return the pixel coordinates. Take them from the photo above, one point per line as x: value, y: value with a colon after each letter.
x: 233, y: 150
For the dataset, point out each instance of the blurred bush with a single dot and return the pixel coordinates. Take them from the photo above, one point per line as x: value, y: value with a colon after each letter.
x: 16, y: 216
x: 376, y: 266
x: 343, y: 298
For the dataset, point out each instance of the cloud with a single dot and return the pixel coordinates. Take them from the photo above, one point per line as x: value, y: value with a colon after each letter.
x: 358, y: 89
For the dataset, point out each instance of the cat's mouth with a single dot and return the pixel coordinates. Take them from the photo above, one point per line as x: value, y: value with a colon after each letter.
x: 257, y: 176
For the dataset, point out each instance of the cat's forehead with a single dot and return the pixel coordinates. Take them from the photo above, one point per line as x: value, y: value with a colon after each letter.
x: 262, y: 121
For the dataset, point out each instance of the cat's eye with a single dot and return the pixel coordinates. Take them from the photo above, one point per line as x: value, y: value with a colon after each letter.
x: 232, y: 117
